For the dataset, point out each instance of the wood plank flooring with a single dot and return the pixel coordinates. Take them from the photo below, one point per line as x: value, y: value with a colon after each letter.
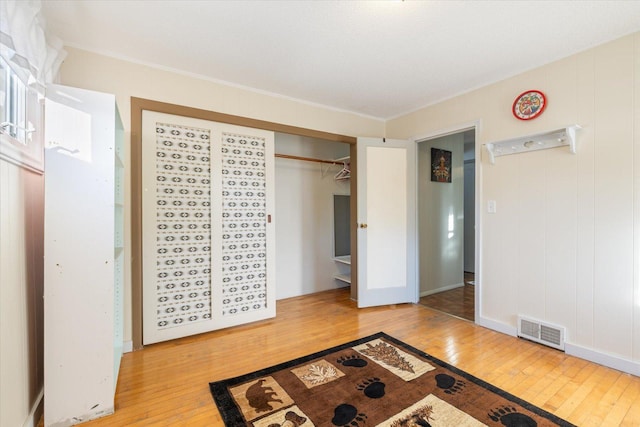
x: 166, y: 384
x: 458, y: 302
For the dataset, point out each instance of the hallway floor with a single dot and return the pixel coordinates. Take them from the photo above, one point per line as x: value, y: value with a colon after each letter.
x: 459, y: 302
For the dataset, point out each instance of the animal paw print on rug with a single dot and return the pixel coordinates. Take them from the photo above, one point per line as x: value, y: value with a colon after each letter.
x: 372, y: 388
x: 510, y: 417
x: 354, y: 361
x: 291, y: 419
x: 346, y: 415
x: 449, y: 384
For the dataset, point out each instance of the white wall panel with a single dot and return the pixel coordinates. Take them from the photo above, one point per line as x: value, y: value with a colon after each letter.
x: 636, y: 195
x: 500, y: 300
x: 585, y: 220
x: 529, y: 239
x: 560, y: 237
x: 613, y: 312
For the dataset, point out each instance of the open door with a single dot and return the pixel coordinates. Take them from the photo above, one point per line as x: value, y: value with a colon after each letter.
x: 386, y: 222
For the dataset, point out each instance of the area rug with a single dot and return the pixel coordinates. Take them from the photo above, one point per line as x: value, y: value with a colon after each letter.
x: 373, y: 381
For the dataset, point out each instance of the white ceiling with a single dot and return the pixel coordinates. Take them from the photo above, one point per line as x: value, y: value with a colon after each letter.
x: 376, y: 58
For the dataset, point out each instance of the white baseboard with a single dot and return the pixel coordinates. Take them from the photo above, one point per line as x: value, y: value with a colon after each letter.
x: 611, y: 361
x: 595, y: 356
x: 444, y: 288
x: 36, y: 411
x: 127, y: 347
x: 497, y: 326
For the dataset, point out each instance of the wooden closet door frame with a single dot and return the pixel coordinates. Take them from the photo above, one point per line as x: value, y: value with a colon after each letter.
x: 140, y: 104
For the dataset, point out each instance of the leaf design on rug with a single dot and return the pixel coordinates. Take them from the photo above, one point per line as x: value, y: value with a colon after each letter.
x: 383, y: 352
x: 320, y: 374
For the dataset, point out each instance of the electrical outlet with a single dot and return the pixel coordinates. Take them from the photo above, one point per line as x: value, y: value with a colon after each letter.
x: 491, y: 206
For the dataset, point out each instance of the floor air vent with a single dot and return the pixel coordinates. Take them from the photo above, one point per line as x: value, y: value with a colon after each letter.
x: 541, y: 332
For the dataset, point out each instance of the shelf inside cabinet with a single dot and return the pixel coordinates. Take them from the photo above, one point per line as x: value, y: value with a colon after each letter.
x: 346, y: 259
x: 117, y: 251
x: 343, y: 278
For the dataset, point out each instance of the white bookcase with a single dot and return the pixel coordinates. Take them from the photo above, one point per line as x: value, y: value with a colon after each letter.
x: 84, y: 254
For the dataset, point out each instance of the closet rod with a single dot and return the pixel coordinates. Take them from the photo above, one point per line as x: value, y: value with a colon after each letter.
x: 307, y: 159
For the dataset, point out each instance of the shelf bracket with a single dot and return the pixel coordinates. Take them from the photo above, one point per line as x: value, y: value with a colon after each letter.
x: 492, y: 157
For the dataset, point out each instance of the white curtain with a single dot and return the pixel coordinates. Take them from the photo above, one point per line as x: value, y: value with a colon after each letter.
x: 25, y: 45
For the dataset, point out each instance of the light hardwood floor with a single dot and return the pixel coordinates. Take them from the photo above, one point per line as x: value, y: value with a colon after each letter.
x: 167, y: 384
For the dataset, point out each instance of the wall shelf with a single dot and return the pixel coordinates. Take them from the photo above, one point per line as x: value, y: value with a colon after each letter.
x: 540, y: 141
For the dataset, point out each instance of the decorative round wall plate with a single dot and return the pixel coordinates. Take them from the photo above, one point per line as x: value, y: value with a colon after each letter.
x: 529, y: 105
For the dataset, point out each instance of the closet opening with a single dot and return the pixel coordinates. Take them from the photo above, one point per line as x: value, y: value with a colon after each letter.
x: 313, y: 240
x: 446, y: 223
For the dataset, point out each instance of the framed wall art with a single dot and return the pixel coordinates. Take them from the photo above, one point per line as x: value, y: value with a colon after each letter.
x: 440, y: 165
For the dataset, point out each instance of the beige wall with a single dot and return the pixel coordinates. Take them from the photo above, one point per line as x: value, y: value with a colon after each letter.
x: 564, y: 245
x: 126, y: 79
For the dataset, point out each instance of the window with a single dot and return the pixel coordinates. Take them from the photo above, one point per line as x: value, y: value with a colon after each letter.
x: 20, y: 114
x: 14, y: 117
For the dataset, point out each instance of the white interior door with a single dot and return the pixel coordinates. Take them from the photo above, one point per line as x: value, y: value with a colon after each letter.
x: 386, y: 222
x: 208, y: 238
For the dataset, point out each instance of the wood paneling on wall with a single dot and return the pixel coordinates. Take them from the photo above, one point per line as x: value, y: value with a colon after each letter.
x: 21, y: 288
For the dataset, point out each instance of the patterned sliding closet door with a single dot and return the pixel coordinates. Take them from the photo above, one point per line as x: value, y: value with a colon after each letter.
x: 244, y: 224
x: 207, y: 241
x: 183, y: 213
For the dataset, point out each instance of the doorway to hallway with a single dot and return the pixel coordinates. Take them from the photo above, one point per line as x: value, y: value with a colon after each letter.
x: 446, y: 218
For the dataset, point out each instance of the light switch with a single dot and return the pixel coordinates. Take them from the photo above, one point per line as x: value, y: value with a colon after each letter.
x: 491, y: 206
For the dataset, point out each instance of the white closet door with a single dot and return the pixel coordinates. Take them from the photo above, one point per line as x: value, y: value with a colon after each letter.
x: 386, y: 222
x: 208, y: 238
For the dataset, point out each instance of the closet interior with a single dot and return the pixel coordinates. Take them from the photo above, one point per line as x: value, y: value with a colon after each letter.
x: 312, y: 225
